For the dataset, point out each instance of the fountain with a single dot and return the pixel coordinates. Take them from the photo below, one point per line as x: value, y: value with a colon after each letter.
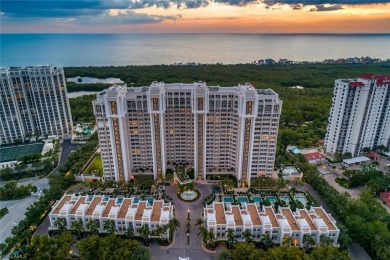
x: 189, y: 195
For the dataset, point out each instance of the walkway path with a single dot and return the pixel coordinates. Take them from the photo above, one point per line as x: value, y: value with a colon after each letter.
x: 181, y: 248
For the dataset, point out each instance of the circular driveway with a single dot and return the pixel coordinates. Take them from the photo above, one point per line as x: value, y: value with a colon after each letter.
x: 180, y: 248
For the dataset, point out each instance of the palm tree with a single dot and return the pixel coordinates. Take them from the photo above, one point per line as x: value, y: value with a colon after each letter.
x: 160, y: 230
x: 78, y: 227
x: 173, y: 225
x: 199, y: 223
x: 231, y: 237
x: 203, y: 233
x: 287, y: 241
x: 93, y: 226
x: 211, y: 239
x: 129, y: 233
x: 267, y: 241
x: 145, y: 233
x: 325, y: 240
x: 308, y: 241
x: 247, y: 235
x: 109, y: 226
x: 60, y: 223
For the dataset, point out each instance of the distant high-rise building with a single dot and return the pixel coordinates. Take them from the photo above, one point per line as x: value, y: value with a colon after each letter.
x: 360, y: 115
x: 214, y: 130
x: 33, y: 101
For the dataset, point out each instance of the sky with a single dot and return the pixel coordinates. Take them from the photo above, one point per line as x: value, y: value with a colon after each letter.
x: 195, y: 16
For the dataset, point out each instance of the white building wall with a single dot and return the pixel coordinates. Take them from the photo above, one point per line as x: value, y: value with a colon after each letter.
x: 223, y: 114
x: 33, y: 101
x: 364, y: 104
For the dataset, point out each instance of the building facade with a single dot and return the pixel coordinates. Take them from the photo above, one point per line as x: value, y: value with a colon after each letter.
x: 125, y: 213
x: 359, y: 115
x: 214, y: 130
x: 263, y: 221
x: 33, y: 101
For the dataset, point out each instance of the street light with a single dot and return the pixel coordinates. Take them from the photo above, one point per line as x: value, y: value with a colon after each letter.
x: 188, y: 213
x: 188, y: 238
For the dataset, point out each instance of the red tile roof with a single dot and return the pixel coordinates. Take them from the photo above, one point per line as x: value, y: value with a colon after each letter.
x: 374, y: 155
x: 355, y: 84
x: 313, y: 156
x: 366, y: 76
x: 385, y: 196
x: 382, y: 80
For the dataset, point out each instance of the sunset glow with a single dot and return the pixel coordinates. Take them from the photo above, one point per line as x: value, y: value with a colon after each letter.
x: 200, y: 16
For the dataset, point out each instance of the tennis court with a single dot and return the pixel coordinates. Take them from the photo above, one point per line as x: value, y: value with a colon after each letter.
x: 11, y: 153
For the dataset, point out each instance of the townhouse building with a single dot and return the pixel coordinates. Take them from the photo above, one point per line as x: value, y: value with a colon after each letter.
x: 125, y: 213
x: 213, y: 129
x: 263, y: 221
x: 33, y: 101
x: 360, y: 115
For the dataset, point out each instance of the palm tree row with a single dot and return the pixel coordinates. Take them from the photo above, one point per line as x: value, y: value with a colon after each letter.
x: 208, y: 237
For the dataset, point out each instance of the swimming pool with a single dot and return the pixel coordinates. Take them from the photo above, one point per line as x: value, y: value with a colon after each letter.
x: 257, y: 199
x: 216, y: 190
x: 271, y: 199
x: 242, y: 199
x: 286, y: 199
x: 302, y: 199
x: 136, y: 200
x: 106, y: 199
x: 228, y: 200
x: 150, y: 200
x: 119, y: 200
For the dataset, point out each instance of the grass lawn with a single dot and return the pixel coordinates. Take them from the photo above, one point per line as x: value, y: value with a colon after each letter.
x: 96, y: 165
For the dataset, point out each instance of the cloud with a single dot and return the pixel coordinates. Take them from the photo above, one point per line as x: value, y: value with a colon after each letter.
x: 323, y: 2
x: 297, y: 6
x: 123, y: 17
x: 236, y: 2
x: 86, y: 12
x: 191, y: 4
x: 321, y: 8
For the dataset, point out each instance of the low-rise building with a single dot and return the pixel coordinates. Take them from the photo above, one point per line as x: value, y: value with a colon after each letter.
x: 315, y: 158
x: 355, y: 161
x: 263, y: 221
x: 124, y: 212
x: 291, y: 173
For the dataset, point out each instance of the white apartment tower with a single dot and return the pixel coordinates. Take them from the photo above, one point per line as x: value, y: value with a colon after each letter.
x: 360, y: 115
x: 215, y: 130
x: 33, y: 101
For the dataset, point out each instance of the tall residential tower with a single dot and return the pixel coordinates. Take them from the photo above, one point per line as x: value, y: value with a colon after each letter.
x: 215, y: 130
x: 360, y: 115
x: 33, y: 101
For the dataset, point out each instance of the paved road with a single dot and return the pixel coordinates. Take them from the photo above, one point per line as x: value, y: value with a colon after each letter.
x: 180, y: 248
x: 17, y: 208
x: 331, y: 179
x: 66, y: 148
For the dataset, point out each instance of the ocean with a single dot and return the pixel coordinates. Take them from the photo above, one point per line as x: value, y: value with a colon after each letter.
x: 155, y: 49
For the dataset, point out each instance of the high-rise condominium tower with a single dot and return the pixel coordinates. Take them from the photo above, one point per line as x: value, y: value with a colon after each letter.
x: 360, y: 115
x: 33, y: 101
x: 215, y: 130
